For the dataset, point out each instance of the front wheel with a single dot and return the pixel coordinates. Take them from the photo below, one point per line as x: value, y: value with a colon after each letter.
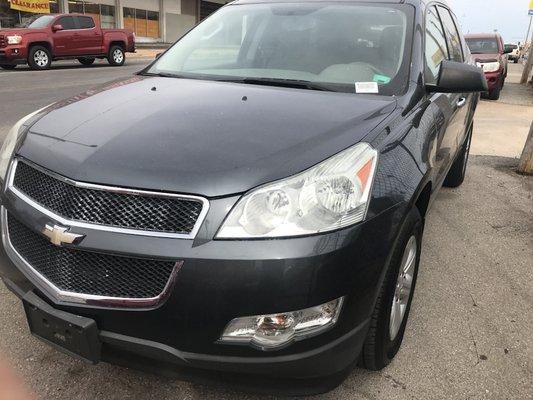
x: 116, y: 56
x: 39, y: 58
x: 388, y: 322
x: 86, y: 61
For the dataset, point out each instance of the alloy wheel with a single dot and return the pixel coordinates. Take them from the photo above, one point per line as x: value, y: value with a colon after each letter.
x: 404, y: 284
x: 41, y: 58
x: 118, y: 56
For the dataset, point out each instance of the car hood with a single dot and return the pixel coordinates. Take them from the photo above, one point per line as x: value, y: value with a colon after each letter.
x: 14, y: 31
x: 197, y: 137
x: 486, y: 57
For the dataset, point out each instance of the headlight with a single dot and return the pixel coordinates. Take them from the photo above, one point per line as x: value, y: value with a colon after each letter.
x: 270, y: 332
x: 329, y: 196
x: 10, y: 142
x: 15, y: 39
x: 490, y: 67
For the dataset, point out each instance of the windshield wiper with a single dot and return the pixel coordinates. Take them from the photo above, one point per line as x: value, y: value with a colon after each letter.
x: 161, y: 74
x: 289, y: 83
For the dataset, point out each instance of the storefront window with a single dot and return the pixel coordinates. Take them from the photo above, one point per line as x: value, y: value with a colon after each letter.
x: 103, y: 15
x: 144, y: 23
x: 11, y: 17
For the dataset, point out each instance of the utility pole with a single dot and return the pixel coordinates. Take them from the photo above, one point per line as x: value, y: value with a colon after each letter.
x: 529, y: 64
x: 528, y: 29
x: 526, y: 161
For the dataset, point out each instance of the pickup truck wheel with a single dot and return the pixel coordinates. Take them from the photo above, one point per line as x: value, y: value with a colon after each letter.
x: 388, y: 322
x: 116, y: 56
x: 39, y: 58
x: 457, y: 173
x: 86, y: 60
x: 8, y: 67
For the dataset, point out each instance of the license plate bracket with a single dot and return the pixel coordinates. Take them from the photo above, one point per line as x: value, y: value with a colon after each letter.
x: 69, y: 333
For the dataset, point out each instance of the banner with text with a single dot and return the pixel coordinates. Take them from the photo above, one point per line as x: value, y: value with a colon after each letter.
x: 32, y: 6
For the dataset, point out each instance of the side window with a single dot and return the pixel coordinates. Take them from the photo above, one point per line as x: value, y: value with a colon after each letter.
x: 66, y: 22
x: 86, y: 22
x: 452, y: 35
x: 436, y: 50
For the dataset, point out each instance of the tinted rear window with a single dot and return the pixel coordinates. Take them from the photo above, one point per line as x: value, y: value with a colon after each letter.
x: 86, y: 22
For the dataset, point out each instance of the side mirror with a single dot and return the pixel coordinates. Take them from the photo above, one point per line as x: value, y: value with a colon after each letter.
x: 456, y: 77
x: 57, y: 27
x: 508, y: 49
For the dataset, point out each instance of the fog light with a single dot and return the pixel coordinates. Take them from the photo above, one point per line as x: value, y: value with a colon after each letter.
x: 270, y: 332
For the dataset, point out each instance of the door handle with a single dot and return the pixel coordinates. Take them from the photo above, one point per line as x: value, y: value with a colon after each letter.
x: 461, y: 102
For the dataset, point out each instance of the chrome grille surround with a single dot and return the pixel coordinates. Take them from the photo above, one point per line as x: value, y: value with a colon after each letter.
x: 67, y: 296
x: 109, y: 189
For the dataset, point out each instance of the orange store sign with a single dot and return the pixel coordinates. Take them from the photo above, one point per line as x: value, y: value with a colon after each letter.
x: 33, y: 6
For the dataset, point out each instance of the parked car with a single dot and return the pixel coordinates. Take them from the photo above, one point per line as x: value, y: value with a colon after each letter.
x: 63, y: 36
x: 513, y: 52
x: 253, y: 201
x: 490, y: 54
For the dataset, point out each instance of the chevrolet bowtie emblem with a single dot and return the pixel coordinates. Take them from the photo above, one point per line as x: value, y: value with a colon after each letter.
x: 59, y: 235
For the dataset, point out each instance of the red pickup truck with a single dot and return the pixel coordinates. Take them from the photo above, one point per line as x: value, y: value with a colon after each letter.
x: 63, y: 36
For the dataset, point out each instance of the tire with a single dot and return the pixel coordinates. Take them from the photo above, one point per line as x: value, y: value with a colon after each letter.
x: 495, y: 94
x: 515, y: 61
x: 39, y: 58
x: 8, y: 67
x: 116, y: 56
x: 457, y: 173
x: 384, y: 337
x: 86, y: 60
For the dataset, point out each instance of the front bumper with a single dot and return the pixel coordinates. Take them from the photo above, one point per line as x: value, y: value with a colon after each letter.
x: 222, y: 280
x: 13, y: 55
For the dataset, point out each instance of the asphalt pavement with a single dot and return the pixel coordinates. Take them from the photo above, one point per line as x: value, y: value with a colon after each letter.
x: 470, y: 331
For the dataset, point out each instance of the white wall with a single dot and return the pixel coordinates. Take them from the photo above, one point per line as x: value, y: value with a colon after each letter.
x: 151, y: 5
x: 172, y: 6
x: 177, y: 25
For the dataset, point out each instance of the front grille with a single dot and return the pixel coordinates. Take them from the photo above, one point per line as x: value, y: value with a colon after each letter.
x: 105, y: 207
x: 89, y: 273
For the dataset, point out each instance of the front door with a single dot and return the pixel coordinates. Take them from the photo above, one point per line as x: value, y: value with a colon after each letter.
x: 459, y: 103
x: 64, y: 38
x: 447, y: 122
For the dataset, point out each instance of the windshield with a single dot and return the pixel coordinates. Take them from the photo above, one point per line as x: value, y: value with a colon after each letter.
x: 483, y: 46
x: 39, y: 21
x: 333, y: 46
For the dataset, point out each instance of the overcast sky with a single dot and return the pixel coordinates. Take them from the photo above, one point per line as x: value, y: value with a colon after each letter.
x: 509, y: 17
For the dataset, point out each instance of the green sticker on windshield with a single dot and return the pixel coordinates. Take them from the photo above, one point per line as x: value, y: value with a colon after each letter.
x: 381, y: 79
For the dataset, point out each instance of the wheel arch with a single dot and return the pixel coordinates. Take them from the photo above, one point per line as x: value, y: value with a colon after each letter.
x: 120, y: 43
x: 45, y: 44
x: 423, y: 199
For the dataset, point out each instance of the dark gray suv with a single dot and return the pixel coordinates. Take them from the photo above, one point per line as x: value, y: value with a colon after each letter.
x: 253, y: 201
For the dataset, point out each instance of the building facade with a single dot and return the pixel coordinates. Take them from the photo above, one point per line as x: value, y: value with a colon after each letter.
x: 151, y: 20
